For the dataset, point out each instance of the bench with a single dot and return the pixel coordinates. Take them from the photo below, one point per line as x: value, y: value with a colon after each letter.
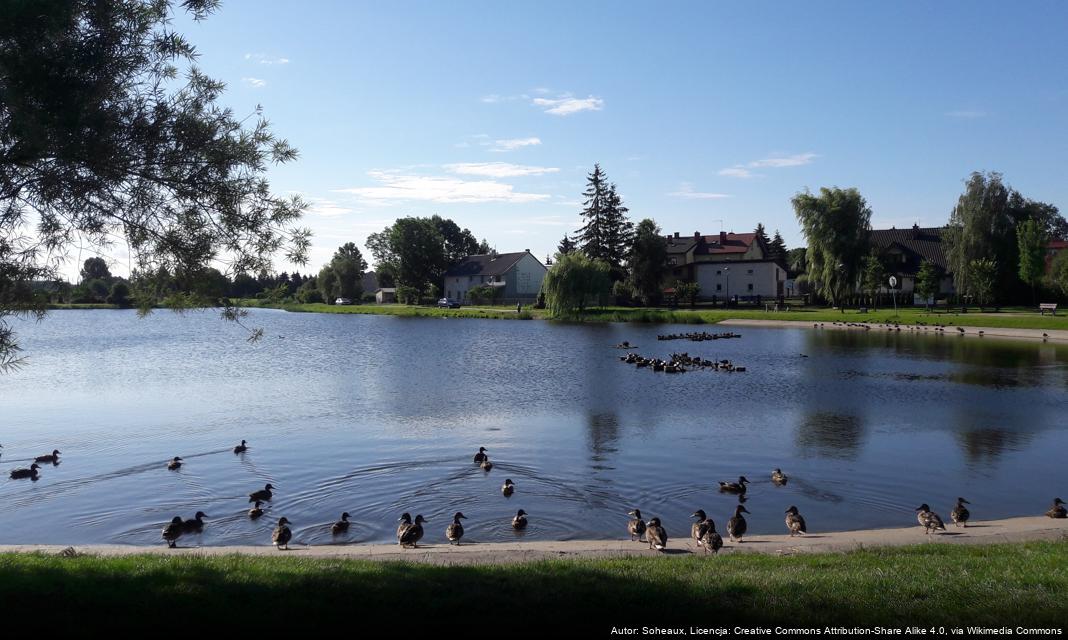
x: 1047, y: 306
x: 776, y: 307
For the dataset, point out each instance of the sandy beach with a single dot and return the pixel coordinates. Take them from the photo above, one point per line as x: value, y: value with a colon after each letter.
x: 1047, y: 335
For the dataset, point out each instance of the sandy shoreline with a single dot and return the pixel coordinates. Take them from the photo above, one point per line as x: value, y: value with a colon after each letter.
x: 1042, y: 335
x: 435, y: 552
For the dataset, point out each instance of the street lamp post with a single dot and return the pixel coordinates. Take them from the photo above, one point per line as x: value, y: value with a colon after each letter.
x: 727, y: 291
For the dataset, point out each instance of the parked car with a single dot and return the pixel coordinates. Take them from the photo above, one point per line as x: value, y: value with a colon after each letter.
x: 448, y: 303
x: 343, y: 301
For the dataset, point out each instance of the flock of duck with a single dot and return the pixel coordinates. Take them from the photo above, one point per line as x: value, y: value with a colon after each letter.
x: 919, y: 327
x: 699, y: 336
x: 679, y: 363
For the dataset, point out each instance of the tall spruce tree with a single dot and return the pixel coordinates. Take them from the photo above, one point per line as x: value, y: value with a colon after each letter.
x: 777, y: 248
x: 606, y: 232
x: 762, y: 234
x: 566, y: 246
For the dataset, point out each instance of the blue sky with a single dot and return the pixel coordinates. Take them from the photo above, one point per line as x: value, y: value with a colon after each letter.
x: 707, y: 115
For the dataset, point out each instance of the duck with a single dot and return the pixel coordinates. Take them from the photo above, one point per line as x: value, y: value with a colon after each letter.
x: 241, y: 448
x: 1057, y: 510
x: 455, y: 531
x: 928, y: 519
x: 636, y: 527
x: 710, y: 539
x: 960, y: 514
x: 282, y: 534
x: 405, y: 521
x: 656, y: 535
x: 508, y: 488
x: 697, y: 529
x: 737, y: 525
x: 255, y: 511
x: 48, y: 457
x: 412, y: 534
x: 794, y: 522
x: 341, y: 526
x: 778, y: 477
x: 481, y: 455
x: 175, y: 463
x: 196, y: 525
x: 173, y: 531
x: 734, y: 487
x: 486, y: 464
x: 520, y: 520
x: 263, y: 494
x: 25, y: 473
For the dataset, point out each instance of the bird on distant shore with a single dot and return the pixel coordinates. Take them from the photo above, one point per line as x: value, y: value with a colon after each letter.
x: 255, y: 511
x: 481, y: 455
x: 794, y: 522
x: 48, y: 457
x: 486, y: 464
x: 405, y: 521
x: 455, y: 531
x: 1057, y: 510
x: 960, y: 514
x: 282, y: 534
x: 656, y: 535
x: 341, y: 526
x: 196, y: 525
x: 263, y: 494
x: 734, y: 487
x: 928, y: 519
x: 778, y: 477
x: 25, y: 473
x: 636, y: 527
x: 175, y: 463
x: 173, y: 531
x: 412, y: 534
x: 241, y: 448
x: 737, y: 525
x: 508, y: 488
x: 520, y: 520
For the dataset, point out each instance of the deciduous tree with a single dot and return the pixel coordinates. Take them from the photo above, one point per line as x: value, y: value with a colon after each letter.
x: 836, y: 224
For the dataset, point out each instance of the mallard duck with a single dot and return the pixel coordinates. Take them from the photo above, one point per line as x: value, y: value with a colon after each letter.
x: 173, y: 531
x: 710, y: 539
x: 405, y: 521
x: 656, y: 535
x: 255, y: 511
x: 508, y: 488
x: 455, y: 531
x: 282, y: 534
x: 486, y: 464
x: 794, y: 522
x: 928, y: 519
x: 737, y: 525
x: 734, y: 487
x: 481, y: 455
x: 175, y: 463
x: 196, y: 525
x: 48, y: 457
x: 25, y: 473
x: 412, y: 534
x: 263, y: 495
x: 636, y: 527
x: 1057, y: 510
x: 520, y: 520
x: 241, y: 448
x: 697, y: 529
x: 778, y: 477
x: 342, y: 525
x: 960, y: 515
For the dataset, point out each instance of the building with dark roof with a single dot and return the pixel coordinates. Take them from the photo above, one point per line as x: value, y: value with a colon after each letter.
x: 518, y: 275
x: 903, y: 251
x: 725, y: 265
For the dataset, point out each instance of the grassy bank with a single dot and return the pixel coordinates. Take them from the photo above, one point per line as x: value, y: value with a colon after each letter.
x: 921, y: 585
x: 499, y: 313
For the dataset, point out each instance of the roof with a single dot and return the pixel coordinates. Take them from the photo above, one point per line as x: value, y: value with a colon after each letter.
x: 921, y: 243
x: 1057, y: 245
x: 711, y: 245
x: 486, y: 264
x: 386, y: 290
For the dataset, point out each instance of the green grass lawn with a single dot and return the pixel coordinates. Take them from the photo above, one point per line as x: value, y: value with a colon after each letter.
x: 1025, y: 584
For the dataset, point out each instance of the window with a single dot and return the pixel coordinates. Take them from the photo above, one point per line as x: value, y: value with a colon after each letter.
x: 719, y: 287
x: 750, y: 286
x: 749, y: 272
x: 673, y: 261
x: 718, y: 272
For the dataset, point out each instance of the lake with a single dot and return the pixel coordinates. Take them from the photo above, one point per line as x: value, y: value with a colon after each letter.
x: 378, y: 415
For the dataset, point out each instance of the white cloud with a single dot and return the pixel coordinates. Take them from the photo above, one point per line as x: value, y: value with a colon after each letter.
x: 398, y: 186
x: 966, y: 113
x: 736, y: 172
x: 263, y: 58
x: 326, y: 208
x: 511, y: 144
x: 774, y: 161
x: 498, y: 169
x: 566, y: 105
x: 255, y: 83
x: 687, y: 191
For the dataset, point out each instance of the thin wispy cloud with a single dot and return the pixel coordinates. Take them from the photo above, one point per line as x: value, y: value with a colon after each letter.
x: 966, y: 113
x: 736, y: 172
x: 255, y: 83
x: 687, y: 191
x: 394, y: 186
x: 566, y: 105
x: 774, y: 161
x: 263, y: 58
x: 326, y: 208
x: 497, y: 169
x: 511, y: 144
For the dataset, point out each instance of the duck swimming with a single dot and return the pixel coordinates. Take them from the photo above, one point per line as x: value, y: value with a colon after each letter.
x: 255, y: 511
x: 508, y: 488
x: 636, y: 527
x: 412, y: 534
x: 263, y: 494
x: 710, y: 539
x: 960, y: 514
x: 196, y: 525
x: 48, y: 457
x: 481, y: 455
x: 520, y: 520
x: 656, y: 535
x: 737, y: 525
x: 341, y: 526
x: 486, y: 464
x: 172, y: 532
x: 455, y: 531
x: 241, y: 448
x: 928, y: 519
x: 1057, y: 510
x: 25, y: 473
x: 778, y: 477
x: 405, y: 521
x: 794, y: 522
x: 175, y: 463
x: 734, y: 487
x: 282, y: 535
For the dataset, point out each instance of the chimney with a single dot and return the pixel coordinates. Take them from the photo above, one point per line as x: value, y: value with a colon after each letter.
x: 723, y: 237
x: 676, y: 234
x: 696, y: 235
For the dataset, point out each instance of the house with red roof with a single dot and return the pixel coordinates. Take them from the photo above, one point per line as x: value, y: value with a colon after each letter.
x: 725, y: 265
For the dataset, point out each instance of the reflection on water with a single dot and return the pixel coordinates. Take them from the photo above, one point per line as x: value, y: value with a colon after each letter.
x: 378, y: 415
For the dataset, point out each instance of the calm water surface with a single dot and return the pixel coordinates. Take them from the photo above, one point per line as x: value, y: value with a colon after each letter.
x: 377, y: 415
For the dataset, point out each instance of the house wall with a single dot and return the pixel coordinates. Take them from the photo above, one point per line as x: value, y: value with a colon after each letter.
x: 524, y: 278
x: 457, y: 287
x: 744, y: 279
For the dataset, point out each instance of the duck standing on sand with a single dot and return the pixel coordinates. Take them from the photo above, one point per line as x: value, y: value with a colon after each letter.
x: 960, y: 514
x: 282, y: 535
x: 1057, y: 510
x: 794, y: 522
x: 263, y: 495
x: 734, y: 487
x: 25, y: 473
x: 656, y: 535
x: 405, y: 521
x: 710, y: 539
x: 51, y: 458
x: 636, y: 527
x: 196, y: 525
x: 241, y: 448
x: 508, y: 488
x: 255, y: 511
x: 173, y: 531
x: 697, y: 529
x: 928, y: 519
x: 341, y: 526
x: 455, y: 531
x: 481, y: 455
x: 778, y: 477
x: 737, y: 525
x: 175, y: 463
x: 520, y: 520
x: 412, y: 534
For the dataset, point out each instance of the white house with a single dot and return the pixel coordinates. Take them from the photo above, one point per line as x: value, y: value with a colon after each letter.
x: 518, y: 275
x: 726, y: 265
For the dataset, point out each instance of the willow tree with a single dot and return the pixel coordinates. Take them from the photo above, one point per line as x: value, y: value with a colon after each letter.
x: 109, y: 133
x: 980, y: 231
x: 836, y: 224
x: 575, y: 281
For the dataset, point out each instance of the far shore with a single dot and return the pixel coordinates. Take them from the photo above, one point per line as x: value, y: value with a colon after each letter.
x: 1050, y: 335
x: 1010, y: 530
